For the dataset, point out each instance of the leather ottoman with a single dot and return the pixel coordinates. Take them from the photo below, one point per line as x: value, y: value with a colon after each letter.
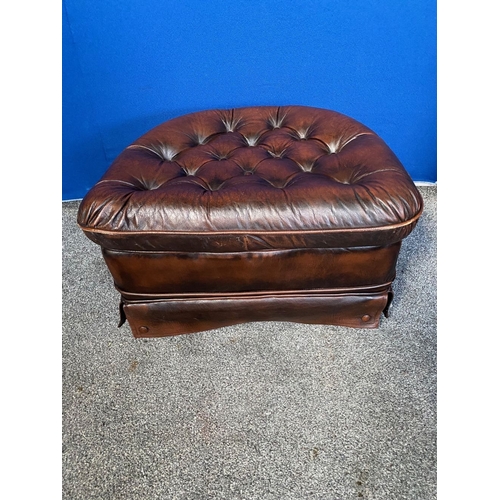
x: 252, y: 214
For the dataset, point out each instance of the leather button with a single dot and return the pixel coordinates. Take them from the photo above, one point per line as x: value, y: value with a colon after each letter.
x: 143, y: 329
x: 366, y: 318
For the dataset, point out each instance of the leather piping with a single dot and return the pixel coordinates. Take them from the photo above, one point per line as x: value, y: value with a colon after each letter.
x: 239, y: 253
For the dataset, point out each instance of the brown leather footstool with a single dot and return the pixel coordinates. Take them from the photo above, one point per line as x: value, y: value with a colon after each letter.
x: 253, y: 214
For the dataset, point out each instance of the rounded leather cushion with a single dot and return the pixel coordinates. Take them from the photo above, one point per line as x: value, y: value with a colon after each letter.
x: 256, y: 170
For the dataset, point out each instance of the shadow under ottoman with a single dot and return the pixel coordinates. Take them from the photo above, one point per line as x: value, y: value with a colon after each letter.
x: 252, y: 214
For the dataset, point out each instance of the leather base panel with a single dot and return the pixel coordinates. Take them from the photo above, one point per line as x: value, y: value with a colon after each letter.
x: 162, y: 274
x: 162, y: 318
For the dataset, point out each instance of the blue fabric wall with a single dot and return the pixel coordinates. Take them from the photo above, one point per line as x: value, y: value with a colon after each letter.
x: 130, y: 65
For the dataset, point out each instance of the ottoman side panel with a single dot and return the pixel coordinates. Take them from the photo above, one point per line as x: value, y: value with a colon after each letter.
x: 174, y: 273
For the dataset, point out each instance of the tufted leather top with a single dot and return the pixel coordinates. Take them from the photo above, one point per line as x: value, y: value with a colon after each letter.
x: 253, y: 178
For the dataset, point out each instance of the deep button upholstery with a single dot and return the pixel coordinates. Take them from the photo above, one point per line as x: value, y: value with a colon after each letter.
x: 257, y: 174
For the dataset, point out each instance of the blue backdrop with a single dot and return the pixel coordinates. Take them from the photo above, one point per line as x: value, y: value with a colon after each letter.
x: 130, y: 65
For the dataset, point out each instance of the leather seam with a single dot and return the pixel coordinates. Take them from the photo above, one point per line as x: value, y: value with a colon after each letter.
x: 263, y: 294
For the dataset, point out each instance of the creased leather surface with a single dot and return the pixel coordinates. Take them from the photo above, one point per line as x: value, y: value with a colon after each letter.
x: 253, y: 178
